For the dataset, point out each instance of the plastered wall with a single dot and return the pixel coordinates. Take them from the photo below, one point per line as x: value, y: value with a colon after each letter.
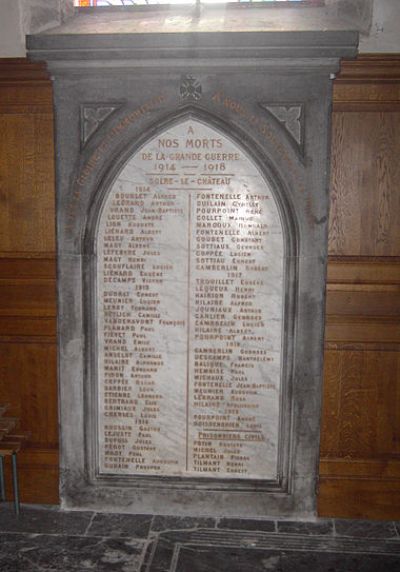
x: 384, y: 35
x: 377, y: 20
x: 20, y: 17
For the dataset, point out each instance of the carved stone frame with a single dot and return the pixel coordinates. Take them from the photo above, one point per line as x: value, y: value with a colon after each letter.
x: 231, y: 73
x: 291, y: 239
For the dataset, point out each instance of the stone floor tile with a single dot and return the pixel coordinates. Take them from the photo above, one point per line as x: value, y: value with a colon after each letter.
x: 338, y: 562
x: 121, y: 525
x: 162, y: 523
x: 227, y: 560
x: 76, y: 553
x: 320, y: 527
x: 246, y: 560
x: 247, y: 524
x: 45, y: 540
x: 365, y: 528
x: 42, y: 520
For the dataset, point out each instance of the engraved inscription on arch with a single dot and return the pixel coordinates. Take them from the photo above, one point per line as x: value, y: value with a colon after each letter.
x: 189, y: 294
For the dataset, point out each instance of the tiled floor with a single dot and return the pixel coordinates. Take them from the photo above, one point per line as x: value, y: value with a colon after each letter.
x: 46, y: 539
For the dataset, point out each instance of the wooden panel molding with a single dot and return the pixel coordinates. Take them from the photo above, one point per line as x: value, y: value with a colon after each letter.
x: 359, y: 497
x: 360, y: 432
x: 360, y: 435
x: 361, y: 404
x: 28, y: 265
x: 27, y: 184
x: 363, y: 270
x: 360, y: 488
x: 28, y: 299
x: 369, y: 83
x: 363, y: 301
x: 368, y: 468
x: 369, y: 68
x: 25, y: 87
x: 38, y: 476
x: 27, y: 329
x: 27, y: 157
x: 365, y: 171
x: 21, y: 70
x: 28, y: 372
x: 28, y: 272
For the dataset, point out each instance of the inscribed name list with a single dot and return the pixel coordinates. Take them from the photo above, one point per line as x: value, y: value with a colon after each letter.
x: 190, y: 302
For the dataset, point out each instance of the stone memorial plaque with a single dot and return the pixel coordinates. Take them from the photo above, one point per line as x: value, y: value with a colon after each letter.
x: 192, y: 224
x: 190, y: 286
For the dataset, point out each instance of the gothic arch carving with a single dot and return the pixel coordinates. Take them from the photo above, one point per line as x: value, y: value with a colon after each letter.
x: 256, y: 180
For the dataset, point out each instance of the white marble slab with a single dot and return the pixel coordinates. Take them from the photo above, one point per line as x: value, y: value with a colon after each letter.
x: 190, y: 300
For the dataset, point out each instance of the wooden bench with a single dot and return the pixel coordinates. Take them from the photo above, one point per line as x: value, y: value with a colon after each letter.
x: 11, y: 441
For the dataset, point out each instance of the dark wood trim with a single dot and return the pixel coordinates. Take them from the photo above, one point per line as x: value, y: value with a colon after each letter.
x: 370, y: 68
x: 22, y: 69
x: 368, y: 84
x: 356, y: 468
x: 361, y: 346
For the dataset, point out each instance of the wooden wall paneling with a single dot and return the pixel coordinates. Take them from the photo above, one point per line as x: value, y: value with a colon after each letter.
x: 38, y: 475
x: 14, y: 299
x: 28, y: 371
x: 360, y: 433
x: 28, y: 272
x: 359, y: 329
x: 363, y: 300
x: 365, y: 169
x: 364, y: 208
x: 356, y: 270
x: 362, y: 399
x: 359, y: 497
x: 368, y: 83
x: 26, y: 148
x: 360, y: 428
x: 27, y: 298
x: 18, y: 328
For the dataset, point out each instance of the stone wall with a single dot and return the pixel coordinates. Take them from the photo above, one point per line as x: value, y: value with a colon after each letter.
x: 21, y: 17
x: 377, y: 20
x: 357, y: 12
x: 39, y: 15
x: 384, y: 34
